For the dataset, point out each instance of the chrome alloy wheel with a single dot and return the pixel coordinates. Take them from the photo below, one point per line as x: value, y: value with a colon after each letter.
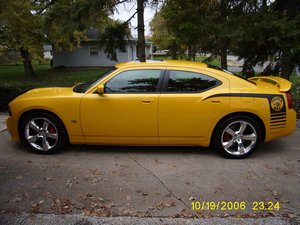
x: 41, y: 134
x: 239, y: 137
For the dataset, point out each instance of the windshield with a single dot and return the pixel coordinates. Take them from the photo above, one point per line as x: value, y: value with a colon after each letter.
x: 81, y: 88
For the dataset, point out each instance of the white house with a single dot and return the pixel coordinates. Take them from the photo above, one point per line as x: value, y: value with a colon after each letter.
x: 47, y: 49
x: 90, y: 54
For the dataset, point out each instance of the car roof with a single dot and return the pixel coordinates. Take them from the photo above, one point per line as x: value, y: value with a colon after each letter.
x: 162, y: 63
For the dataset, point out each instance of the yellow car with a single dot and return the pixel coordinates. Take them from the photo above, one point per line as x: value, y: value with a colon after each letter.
x: 173, y: 103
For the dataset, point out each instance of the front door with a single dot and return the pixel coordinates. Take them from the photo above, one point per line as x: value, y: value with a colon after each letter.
x: 127, y: 111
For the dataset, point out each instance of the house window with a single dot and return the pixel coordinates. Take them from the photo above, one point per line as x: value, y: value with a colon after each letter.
x: 94, y: 51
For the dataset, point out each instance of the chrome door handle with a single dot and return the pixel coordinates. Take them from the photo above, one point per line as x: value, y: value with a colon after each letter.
x: 216, y: 101
x: 147, y: 101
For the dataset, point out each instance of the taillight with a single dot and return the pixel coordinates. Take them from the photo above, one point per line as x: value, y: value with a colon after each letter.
x: 289, y: 100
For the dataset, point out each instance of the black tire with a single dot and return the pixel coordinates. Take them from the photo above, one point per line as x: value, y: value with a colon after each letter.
x: 40, y: 137
x: 237, y: 137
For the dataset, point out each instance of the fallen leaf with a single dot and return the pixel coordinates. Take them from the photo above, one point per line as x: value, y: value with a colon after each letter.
x: 41, y: 202
x: 47, y: 193
x: 17, y: 199
x: 275, y: 193
x: 68, y: 183
x: 192, y: 198
x: 19, y: 177
x: 48, y: 178
x: 290, y: 215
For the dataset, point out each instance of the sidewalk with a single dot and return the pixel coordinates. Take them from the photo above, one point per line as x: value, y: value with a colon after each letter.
x: 3, y: 117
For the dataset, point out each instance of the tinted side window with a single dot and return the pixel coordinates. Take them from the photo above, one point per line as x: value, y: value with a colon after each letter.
x: 183, y: 81
x: 134, y: 81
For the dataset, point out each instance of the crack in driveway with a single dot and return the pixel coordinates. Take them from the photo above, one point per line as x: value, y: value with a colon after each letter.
x: 158, y: 179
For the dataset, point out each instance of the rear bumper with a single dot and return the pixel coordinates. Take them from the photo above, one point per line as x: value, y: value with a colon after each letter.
x: 291, y: 123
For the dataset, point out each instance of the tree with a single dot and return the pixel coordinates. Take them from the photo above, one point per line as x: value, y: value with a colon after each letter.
x: 22, y: 30
x: 269, y: 32
x: 141, y: 26
x: 201, y: 25
x: 161, y: 35
x: 26, y: 25
x: 141, y: 31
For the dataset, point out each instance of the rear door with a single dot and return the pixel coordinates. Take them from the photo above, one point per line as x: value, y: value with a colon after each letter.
x: 185, y: 111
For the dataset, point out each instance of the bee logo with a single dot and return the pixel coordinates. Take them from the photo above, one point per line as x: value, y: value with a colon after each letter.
x: 277, y: 103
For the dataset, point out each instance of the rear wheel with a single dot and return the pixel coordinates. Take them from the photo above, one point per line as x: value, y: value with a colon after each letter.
x: 43, y: 133
x: 237, y: 137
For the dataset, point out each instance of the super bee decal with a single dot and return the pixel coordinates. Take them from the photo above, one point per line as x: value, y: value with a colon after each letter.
x: 276, y: 105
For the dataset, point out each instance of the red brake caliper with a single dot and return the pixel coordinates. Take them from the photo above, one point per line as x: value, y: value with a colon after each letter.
x: 51, y: 128
x: 227, y: 137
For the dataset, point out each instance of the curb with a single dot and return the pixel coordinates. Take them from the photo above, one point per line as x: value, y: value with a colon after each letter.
x: 51, y: 219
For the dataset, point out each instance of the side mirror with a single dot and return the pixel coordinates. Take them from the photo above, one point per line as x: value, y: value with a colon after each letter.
x: 100, y: 89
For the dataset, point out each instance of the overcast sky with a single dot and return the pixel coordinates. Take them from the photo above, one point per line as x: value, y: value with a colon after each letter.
x: 126, y: 10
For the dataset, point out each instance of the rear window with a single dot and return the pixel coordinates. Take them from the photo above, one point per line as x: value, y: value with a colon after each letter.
x: 185, y: 81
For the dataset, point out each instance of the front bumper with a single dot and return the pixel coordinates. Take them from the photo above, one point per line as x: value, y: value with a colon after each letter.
x: 12, y: 129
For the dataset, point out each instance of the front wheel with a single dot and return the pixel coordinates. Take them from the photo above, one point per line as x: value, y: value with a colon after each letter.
x: 237, y: 137
x: 43, y: 133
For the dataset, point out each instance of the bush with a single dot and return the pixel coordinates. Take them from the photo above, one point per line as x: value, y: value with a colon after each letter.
x: 8, y: 93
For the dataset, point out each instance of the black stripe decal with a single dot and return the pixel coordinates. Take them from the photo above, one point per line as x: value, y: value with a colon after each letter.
x: 241, y: 95
x: 275, y: 128
x: 278, y: 121
x: 273, y: 120
x: 278, y: 125
x: 278, y: 114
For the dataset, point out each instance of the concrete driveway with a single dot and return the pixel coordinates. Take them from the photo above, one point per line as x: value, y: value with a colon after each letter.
x: 150, y: 181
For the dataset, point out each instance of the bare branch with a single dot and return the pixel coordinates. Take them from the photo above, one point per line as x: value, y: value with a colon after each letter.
x: 130, y: 18
x: 46, y: 7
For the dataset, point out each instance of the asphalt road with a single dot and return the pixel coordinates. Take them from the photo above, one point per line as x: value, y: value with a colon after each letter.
x: 140, y: 182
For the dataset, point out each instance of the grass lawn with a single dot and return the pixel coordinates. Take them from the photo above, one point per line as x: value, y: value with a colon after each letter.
x: 46, y: 76
x: 13, y: 81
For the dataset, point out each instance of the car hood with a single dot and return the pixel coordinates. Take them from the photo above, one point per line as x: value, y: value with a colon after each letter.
x: 46, y: 93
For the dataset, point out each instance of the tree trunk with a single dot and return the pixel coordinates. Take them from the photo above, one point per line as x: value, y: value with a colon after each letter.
x: 194, y: 53
x: 224, y: 58
x: 174, y: 50
x: 189, y: 51
x: 224, y: 45
x: 286, y: 65
x: 27, y: 63
x: 141, y: 31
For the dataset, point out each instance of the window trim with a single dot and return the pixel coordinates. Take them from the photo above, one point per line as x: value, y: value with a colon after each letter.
x: 158, y: 87
x: 166, y: 82
x: 95, y: 51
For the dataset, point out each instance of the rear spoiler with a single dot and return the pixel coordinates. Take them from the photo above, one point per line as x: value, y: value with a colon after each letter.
x: 282, y: 84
